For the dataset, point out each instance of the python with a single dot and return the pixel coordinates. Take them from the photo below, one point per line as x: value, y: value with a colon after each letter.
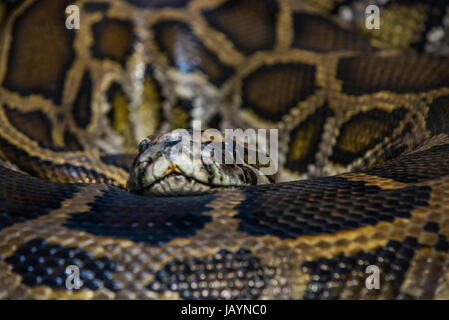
x: 363, y: 151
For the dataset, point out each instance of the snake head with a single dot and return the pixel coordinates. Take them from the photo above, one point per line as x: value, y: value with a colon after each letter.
x: 183, y: 162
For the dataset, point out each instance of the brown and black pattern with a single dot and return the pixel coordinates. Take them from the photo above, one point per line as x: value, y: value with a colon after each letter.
x: 249, y: 24
x: 192, y: 278
x: 327, y: 205
x: 33, y: 124
x: 363, y: 131
x: 330, y: 276
x: 397, y: 74
x: 305, y: 139
x: 49, y: 194
x: 143, y: 221
x: 39, y: 58
x: 185, y: 51
x: 314, y: 32
x: 41, y: 264
x: 281, y: 85
x: 113, y: 39
x: 82, y: 112
x: 73, y: 103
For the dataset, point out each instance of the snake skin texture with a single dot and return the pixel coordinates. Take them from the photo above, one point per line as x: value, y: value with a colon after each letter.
x: 363, y: 120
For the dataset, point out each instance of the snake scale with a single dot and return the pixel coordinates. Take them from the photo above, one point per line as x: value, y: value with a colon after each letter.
x: 363, y: 120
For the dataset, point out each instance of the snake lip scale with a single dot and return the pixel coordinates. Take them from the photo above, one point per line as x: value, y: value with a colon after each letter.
x: 184, y: 183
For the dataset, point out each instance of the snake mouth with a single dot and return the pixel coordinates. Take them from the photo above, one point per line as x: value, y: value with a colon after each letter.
x: 176, y: 184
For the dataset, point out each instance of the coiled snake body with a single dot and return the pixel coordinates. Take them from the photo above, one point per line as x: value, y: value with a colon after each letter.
x: 363, y: 121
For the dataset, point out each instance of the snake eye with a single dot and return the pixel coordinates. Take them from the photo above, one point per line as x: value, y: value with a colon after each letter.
x: 143, y: 145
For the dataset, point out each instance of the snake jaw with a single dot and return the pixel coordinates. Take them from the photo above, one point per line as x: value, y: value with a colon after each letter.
x: 168, y: 166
